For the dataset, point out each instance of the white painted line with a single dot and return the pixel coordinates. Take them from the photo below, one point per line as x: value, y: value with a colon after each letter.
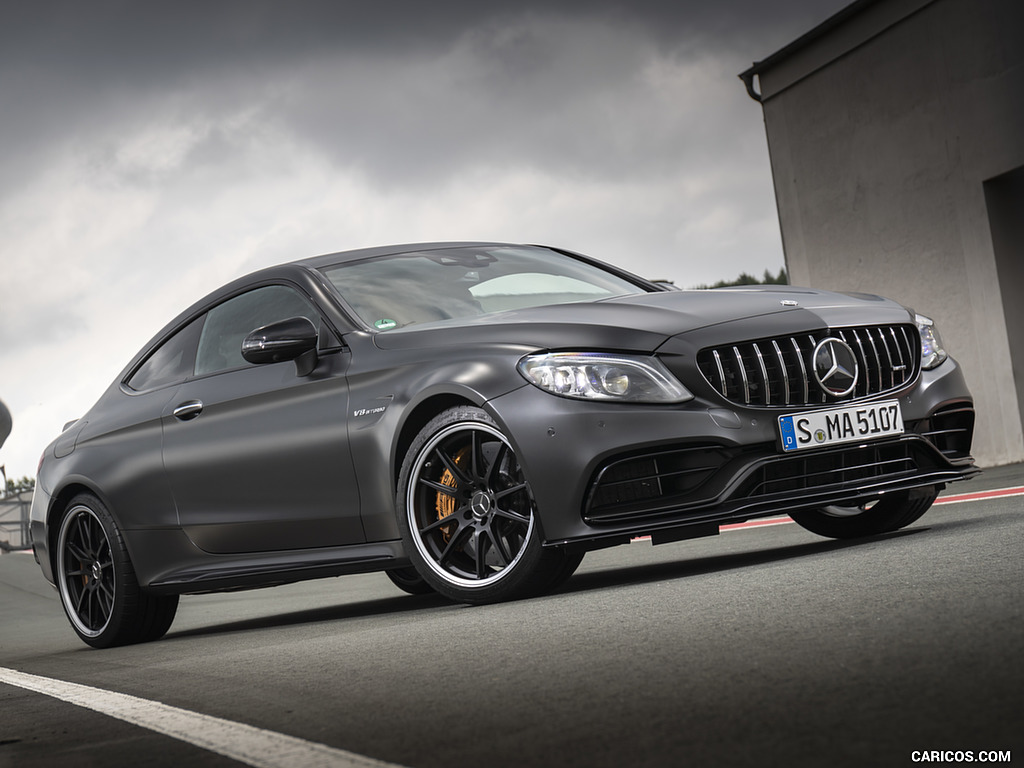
x: 253, y: 746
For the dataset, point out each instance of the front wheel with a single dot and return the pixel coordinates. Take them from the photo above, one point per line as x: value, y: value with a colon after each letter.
x: 467, y: 515
x: 408, y: 580
x: 97, y: 583
x: 890, y: 513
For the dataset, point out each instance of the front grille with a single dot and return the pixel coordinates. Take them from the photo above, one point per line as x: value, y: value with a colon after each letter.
x: 779, y: 371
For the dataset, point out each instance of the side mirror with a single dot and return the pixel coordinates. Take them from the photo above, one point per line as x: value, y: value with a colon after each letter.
x: 291, y: 339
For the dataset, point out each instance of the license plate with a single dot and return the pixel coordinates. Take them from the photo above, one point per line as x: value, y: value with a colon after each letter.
x: 850, y: 424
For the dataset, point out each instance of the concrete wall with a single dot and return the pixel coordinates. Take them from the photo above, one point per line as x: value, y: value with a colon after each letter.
x: 897, y: 143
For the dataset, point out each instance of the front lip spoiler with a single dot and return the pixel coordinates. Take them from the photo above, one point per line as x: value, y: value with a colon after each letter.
x: 676, y: 521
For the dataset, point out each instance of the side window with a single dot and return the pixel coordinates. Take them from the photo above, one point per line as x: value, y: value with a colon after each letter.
x: 169, y: 363
x: 220, y: 345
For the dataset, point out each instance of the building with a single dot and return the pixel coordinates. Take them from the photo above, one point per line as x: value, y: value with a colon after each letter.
x: 896, y: 134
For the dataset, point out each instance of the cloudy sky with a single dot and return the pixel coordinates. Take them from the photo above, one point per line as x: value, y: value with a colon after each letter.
x: 149, y: 152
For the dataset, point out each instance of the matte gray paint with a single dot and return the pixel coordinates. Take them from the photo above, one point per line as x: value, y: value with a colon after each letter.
x: 284, y: 477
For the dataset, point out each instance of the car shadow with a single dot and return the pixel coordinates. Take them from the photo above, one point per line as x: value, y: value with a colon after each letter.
x: 378, y: 607
x: 688, y: 567
x: 587, y: 581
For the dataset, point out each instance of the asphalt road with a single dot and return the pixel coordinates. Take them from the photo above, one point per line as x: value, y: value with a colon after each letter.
x: 758, y: 647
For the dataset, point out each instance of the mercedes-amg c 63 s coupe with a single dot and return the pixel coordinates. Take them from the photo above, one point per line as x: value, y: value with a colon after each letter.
x: 471, y: 418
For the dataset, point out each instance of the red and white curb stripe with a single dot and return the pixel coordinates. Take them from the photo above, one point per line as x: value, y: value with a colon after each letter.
x: 957, y: 499
x: 980, y: 495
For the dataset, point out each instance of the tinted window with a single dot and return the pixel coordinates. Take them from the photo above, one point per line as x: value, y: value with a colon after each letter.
x: 170, y: 362
x: 422, y: 287
x: 220, y: 346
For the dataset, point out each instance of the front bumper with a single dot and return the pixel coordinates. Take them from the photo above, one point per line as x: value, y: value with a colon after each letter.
x: 603, y: 473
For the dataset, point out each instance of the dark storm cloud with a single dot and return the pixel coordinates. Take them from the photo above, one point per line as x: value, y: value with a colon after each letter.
x: 164, y: 39
x: 150, y: 151
x: 403, y: 90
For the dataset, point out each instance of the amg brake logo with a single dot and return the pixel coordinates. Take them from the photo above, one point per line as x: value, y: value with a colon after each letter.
x: 368, y: 411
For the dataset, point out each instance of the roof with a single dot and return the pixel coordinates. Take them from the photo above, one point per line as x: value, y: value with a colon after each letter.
x: 328, y: 259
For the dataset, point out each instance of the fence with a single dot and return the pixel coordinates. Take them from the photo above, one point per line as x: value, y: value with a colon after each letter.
x: 15, y: 533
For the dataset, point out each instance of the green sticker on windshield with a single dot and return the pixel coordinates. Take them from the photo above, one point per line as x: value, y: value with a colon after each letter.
x: 385, y: 324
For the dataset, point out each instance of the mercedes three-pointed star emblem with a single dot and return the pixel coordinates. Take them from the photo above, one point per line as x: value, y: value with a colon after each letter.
x: 835, y: 367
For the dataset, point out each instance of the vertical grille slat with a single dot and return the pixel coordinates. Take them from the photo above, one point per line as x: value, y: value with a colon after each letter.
x: 784, y: 369
x: 862, y: 361
x: 764, y: 376
x: 779, y: 371
x: 889, y: 359
x: 803, y: 369
x: 899, y: 367
x: 743, y: 375
x: 875, y: 359
x: 721, y: 374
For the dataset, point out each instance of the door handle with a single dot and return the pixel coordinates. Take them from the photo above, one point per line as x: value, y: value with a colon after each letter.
x: 188, y: 410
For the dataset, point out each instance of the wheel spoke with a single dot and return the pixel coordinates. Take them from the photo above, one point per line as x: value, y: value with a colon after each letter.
x: 433, y: 485
x: 78, y: 552
x: 500, y: 546
x: 106, y: 589
x: 516, y: 517
x: 509, y: 491
x: 453, y: 519
x: 93, y: 610
x: 84, y: 535
x: 461, y: 477
x: 475, y: 456
x: 481, y: 554
x: 455, y: 544
x: 495, y: 468
x: 80, y: 598
x: 105, y: 602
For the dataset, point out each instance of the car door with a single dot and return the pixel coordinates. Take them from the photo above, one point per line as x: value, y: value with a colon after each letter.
x: 257, y: 456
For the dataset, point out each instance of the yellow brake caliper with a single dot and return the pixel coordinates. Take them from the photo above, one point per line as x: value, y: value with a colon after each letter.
x: 446, y: 503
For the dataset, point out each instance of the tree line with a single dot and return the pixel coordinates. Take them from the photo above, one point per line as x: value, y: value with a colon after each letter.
x: 747, y: 279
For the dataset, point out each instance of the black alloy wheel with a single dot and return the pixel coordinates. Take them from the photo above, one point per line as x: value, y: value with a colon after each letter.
x: 468, y: 516
x: 97, y: 584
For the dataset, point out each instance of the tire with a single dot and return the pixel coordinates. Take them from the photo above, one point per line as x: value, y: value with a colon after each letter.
x: 570, y: 562
x: 467, y: 515
x: 97, y: 584
x: 409, y: 580
x: 890, y: 513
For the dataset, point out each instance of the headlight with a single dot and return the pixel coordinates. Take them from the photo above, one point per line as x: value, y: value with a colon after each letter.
x: 596, y: 376
x: 932, y: 352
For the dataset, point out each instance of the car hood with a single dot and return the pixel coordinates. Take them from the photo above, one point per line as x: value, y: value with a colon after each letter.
x: 644, y: 322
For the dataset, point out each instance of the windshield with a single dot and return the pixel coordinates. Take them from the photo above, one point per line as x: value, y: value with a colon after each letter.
x: 423, y: 287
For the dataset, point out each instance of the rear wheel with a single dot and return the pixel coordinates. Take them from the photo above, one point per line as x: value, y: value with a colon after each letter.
x: 467, y: 514
x: 889, y: 513
x: 97, y: 583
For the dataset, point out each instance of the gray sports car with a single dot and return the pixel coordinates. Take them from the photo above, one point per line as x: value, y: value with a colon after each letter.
x: 471, y: 418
